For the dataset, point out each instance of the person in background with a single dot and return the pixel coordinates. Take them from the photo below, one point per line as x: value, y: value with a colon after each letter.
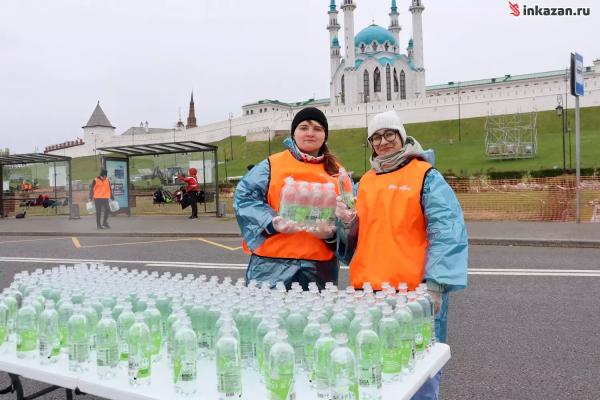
x: 100, y: 192
x: 279, y: 252
x: 191, y: 191
x: 408, y: 225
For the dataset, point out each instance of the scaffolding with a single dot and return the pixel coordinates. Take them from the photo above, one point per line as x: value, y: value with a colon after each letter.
x: 511, y: 136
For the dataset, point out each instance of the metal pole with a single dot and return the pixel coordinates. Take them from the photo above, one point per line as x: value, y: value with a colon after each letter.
x: 2, y: 191
x: 55, y: 199
x: 459, y: 133
x: 216, y: 155
x: 366, y: 144
x: 70, y: 191
x: 230, y: 139
x: 577, y: 161
x: 563, y: 150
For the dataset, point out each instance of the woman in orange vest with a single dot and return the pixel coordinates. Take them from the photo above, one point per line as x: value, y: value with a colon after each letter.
x: 100, y: 192
x: 407, y: 227
x: 279, y: 252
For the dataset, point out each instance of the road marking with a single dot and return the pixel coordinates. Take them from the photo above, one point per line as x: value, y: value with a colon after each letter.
x: 234, y: 266
x: 31, y: 240
x: 131, y: 243
x: 219, y: 244
x: 76, y: 242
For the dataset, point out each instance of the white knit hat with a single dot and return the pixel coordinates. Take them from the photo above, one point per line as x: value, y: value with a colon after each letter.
x: 387, y: 120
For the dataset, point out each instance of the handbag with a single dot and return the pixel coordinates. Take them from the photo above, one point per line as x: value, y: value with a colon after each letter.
x: 114, y: 205
x: 90, y: 207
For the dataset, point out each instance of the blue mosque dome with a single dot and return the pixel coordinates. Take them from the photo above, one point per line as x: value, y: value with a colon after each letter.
x: 374, y: 33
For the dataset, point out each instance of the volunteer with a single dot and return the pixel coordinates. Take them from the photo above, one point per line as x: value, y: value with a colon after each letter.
x: 100, y: 192
x: 407, y: 226
x: 279, y: 252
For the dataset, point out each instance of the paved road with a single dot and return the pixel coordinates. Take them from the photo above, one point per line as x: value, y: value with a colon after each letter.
x: 526, y: 328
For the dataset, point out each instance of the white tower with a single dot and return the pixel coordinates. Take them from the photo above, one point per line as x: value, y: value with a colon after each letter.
x: 334, y: 45
x: 350, y: 93
x: 416, y: 9
x: 395, y: 27
x: 98, y: 131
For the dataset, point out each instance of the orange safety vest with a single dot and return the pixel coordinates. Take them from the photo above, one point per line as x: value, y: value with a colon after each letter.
x: 392, y: 233
x: 300, y: 245
x: 101, y: 188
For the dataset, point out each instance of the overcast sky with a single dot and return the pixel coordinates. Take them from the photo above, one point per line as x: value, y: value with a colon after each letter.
x: 141, y: 58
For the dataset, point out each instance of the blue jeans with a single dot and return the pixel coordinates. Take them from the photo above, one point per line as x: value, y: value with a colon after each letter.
x: 431, y: 388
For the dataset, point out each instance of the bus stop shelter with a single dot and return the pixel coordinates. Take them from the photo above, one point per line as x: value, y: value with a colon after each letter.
x: 156, y: 149
x: 34, y: 158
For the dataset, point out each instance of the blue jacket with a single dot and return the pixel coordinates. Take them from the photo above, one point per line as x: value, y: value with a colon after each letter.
x: 254, y: 216
x: 447, y: 252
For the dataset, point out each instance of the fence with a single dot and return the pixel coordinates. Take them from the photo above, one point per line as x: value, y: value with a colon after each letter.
x: 535, y: 199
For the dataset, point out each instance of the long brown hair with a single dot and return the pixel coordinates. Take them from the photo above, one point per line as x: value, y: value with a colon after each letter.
x: 330, y: 161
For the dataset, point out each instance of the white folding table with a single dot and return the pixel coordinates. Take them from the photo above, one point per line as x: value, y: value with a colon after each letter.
x: 161, y: 386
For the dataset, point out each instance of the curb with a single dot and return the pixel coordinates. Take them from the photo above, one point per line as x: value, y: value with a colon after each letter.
x: 127, y: 234
x: 562, y: 243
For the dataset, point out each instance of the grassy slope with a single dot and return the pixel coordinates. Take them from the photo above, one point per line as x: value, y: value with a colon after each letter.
x: 464, y: 158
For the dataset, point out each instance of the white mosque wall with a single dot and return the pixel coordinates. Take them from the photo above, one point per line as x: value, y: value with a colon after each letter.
x: 498, y: 100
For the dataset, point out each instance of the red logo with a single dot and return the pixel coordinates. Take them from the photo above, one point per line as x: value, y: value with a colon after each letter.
x: 514, y: 9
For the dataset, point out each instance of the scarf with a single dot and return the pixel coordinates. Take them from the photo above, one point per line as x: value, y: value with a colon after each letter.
x: 300, y: 155
x: 393, y: 161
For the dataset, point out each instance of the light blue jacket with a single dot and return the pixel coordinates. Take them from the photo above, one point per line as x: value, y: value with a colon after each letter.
x: 447, y: 252
x: 254, y: 216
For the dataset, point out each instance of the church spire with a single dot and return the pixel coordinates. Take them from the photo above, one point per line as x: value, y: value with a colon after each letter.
x: 191, y: 121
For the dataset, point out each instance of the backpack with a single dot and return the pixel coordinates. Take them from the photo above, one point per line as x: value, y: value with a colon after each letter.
x: 157, y: 197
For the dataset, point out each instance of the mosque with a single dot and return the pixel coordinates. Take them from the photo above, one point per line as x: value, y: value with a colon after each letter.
x: 373, y: 67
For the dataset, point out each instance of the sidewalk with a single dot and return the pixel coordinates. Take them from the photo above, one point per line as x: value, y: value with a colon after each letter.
x: 548, y: 234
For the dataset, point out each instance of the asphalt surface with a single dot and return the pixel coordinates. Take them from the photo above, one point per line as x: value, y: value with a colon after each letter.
x: 526, y: 328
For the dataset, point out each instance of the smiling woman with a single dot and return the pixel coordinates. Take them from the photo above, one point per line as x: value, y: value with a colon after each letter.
x: 279, y: 250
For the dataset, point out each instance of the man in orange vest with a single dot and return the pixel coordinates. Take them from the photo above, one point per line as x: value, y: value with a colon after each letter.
x: 100, y: 192
x: 408, y: 225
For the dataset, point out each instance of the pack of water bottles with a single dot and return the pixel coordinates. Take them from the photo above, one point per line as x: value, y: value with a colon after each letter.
x: 110, y: 321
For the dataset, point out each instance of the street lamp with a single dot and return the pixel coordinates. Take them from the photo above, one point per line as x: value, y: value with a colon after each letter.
x: 230, y: 139
x: 365, y: 97
x: 560, y: 113
x: 267, y: 131
x: 459, y: 133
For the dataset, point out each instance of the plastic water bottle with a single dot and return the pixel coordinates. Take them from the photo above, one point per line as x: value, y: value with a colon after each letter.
x: 339, y: 322
x: 139, y: 360
x: 3, y: 324
x: 268, y: 342
x: 346, y: 187
x: 303, y: 204
x: 295, y: 323
x: 323, y: 347
x: 316, y: 203
x: 261, y: 330
x: 78, y: 341
x: 310, y: 335
x: 184, y: 359
x: 391, y: 346
x: 49, y: 334
x: 65, y: 310
x: 107, y: 346
x: 418, y: 322
x: 281, y: 369
x: 124, y: 322
x: 368, y: 355
x: 342, y: 371
x: 153, y: 320
x: 355, y: 326
x: 26, y: 330
x: 431, y: 311
x: 329, y: 204
x: 428, y: 331
x: 404, y: 317
x: 229, y: 368
x: 288, y: 199
x: 92, y: 321
x: 243, y: 322
x: 11, y: 304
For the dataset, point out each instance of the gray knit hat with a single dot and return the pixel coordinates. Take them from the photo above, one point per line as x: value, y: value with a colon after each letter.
x: 387, y: 120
